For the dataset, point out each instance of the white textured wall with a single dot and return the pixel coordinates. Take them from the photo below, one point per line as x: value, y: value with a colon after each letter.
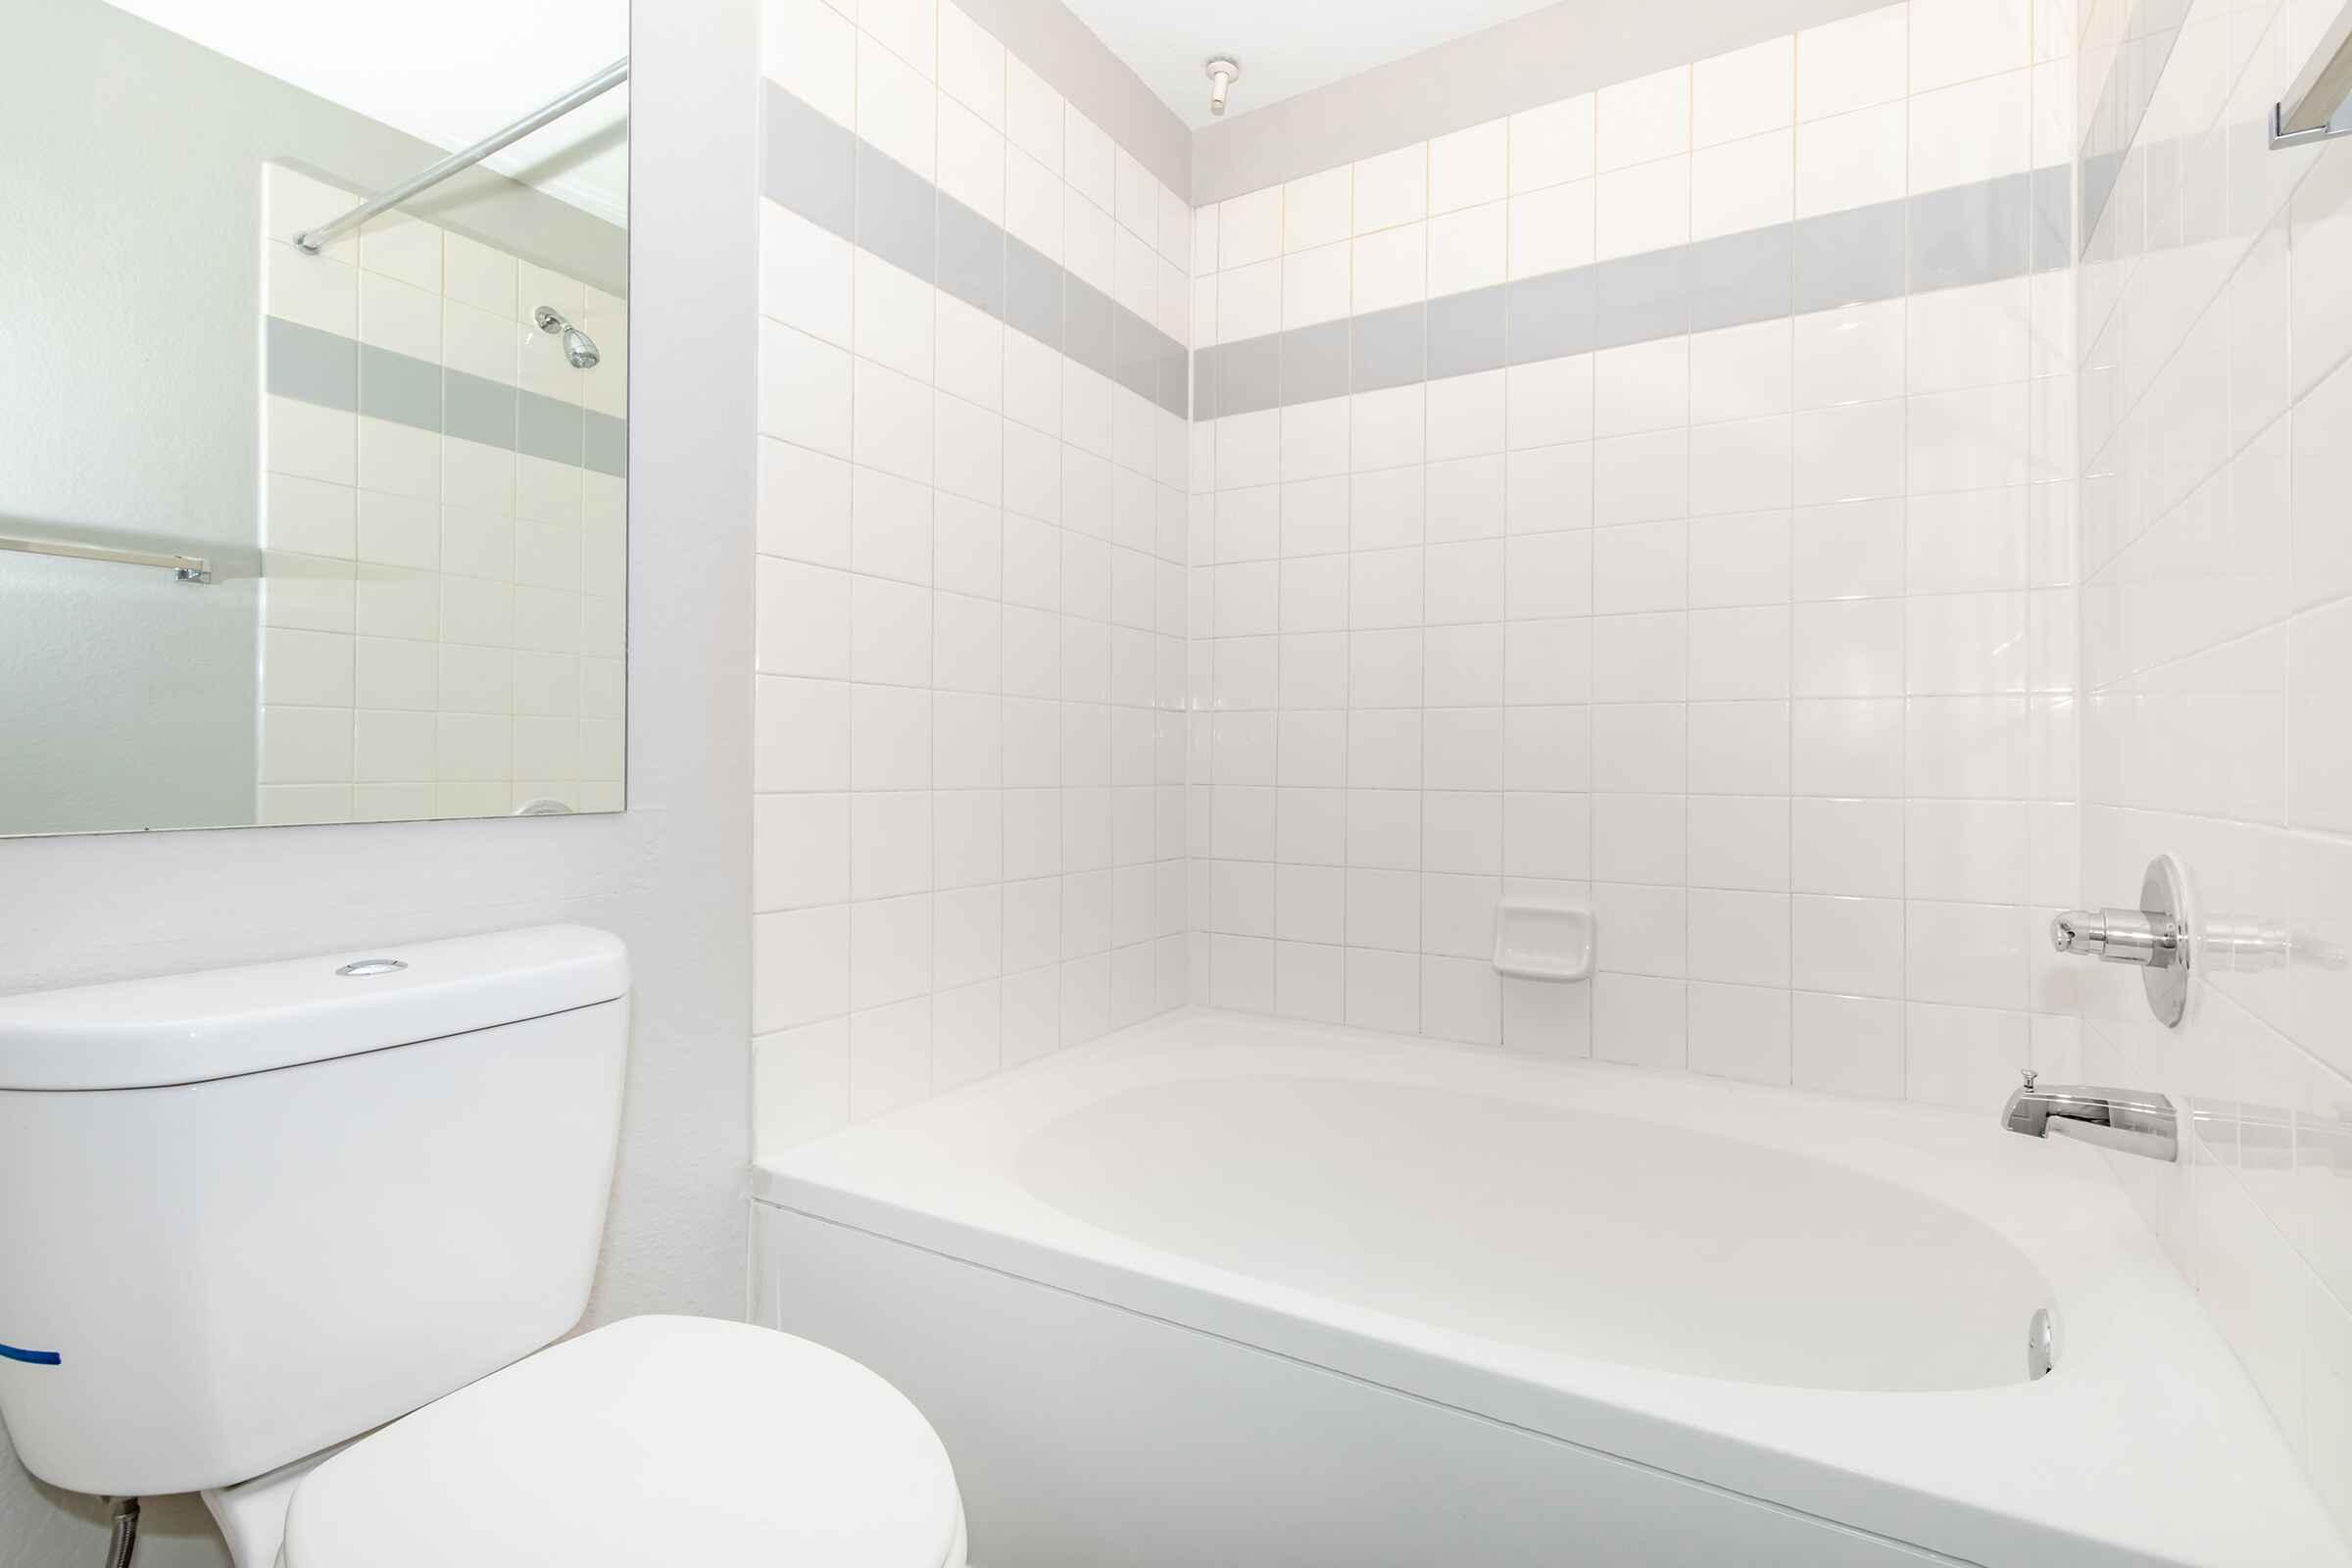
x: 2217, y: 663
x: 671, y: 877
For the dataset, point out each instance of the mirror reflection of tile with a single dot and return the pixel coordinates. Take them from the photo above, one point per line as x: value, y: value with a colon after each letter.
x: 443, y: 526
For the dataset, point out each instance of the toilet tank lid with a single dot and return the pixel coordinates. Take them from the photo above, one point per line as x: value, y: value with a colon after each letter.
x: 221, y: 1023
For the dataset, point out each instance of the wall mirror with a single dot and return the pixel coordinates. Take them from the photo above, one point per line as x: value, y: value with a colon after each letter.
x: 306, y: 518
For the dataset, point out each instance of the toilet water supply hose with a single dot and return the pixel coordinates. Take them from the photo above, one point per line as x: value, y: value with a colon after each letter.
x: 124, y: 1539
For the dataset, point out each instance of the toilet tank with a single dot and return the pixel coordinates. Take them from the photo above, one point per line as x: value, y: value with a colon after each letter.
x: 248, y: 1214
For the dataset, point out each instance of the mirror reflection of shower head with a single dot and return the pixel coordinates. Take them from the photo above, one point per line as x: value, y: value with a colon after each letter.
x: 578, y: 347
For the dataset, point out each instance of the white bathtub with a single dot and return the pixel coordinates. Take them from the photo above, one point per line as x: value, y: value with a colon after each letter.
x: 1226, y: 1290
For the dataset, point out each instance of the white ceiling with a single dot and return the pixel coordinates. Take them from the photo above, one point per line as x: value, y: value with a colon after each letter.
x: 1285, y: 47
x: 447, y: 71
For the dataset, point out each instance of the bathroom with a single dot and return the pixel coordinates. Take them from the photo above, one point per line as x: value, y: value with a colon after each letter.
x: 1262, y: 792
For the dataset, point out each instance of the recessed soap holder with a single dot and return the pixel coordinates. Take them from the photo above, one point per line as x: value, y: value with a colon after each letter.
x: 1544, y: 939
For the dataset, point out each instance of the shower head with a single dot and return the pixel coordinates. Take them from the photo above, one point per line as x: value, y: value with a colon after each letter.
x: 578, y: 347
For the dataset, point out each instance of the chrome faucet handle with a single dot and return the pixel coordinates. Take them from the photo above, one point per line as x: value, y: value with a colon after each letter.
x: 2155, y: 937
x: 2080, y: 931
x: 2118, y: 936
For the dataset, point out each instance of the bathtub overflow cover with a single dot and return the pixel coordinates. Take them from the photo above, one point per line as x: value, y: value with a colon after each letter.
x: 2041, y: 1350
x: 372, y: 966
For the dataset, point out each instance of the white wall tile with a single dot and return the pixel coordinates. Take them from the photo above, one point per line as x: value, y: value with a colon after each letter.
x: 1642, y: 119
x: 1956, y: 40
x: 1470, y: 167
x: 1743, y: 93
x: 1033, y: 114
x: 1846, y: 1044
x: 1249, y: 228
x: 971, y: 65
x: 1391, y: 268
x: 1744, y: 184
x: 1853, y: 62
x: 898, y: 108
x: 1978, y: 130
x: 1318, y: 209
x: 1549, y: 146
x: 1391, y: 190
x: 1644, y: 208
x: 1852, y: 159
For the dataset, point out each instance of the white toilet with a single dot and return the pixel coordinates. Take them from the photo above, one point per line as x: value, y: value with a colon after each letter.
x: 290, y: 1235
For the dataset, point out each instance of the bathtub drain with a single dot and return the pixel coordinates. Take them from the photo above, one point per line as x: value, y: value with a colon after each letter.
x: 2041, y: 1350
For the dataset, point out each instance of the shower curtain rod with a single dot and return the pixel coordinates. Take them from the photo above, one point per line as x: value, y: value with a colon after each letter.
x: 314, y: 240
x: 2308, y: 113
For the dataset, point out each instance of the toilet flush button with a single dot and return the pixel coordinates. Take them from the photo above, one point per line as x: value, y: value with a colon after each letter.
x: 372, y: 966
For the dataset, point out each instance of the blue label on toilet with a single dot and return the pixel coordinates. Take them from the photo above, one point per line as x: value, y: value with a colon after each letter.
x: 9, y: 1352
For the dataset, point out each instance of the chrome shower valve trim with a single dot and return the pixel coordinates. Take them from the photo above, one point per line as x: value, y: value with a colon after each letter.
x: 2118, y: 936
x: 2155, y: 937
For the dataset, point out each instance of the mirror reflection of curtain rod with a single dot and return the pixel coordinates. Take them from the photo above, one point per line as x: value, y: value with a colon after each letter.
x: 314, y: 240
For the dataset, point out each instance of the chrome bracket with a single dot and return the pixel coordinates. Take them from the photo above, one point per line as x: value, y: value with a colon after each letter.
x: 2318, y: 101
x: 2283, y: 138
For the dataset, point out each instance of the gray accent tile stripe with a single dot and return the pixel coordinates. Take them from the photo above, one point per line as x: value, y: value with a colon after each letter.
x: 1979, y: 233
x: 1849, y: 258
x: 1971, y: 232
x: 336, y: 373
x: 1085, y: 330
x: 1391, y: 347
x: 1314, y: 362
x: 1551, y: 317
x: 1135, y: 347
x: 1032, y: 293
x: 1639, y: 299
x: 971, y: 257
x: 1175, y: 373
x: 547, y: 429
x: 311, y: 365
x: 399, y: 387
x: 853, y: 190
x: 1251, y: 376
x: 898, y: 214
x: 2054, y: 218
x: 608, y: 449
x: 810, y: 163
x: 1743, y: 277
x: 1466, y: 333
x: 474, y: 409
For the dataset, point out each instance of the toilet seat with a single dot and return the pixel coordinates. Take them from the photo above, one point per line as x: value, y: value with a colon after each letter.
x: 655, y: 1440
